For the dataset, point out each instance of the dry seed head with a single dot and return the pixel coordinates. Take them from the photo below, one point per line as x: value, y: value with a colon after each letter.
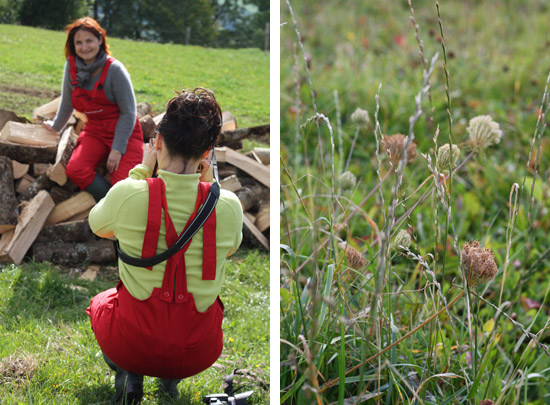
x: 354, y: 259
x: 403, y: 238
x: 479, y: 263
x: 394, y: 146
x: 360, y: 117
x: 484, y: 131
x: 443, y: 158
x: 347, y: 180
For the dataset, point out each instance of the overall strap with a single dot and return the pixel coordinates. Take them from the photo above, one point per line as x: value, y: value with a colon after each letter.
x: 104, y: 70
x: 150, y: 240
x: 72, y: 70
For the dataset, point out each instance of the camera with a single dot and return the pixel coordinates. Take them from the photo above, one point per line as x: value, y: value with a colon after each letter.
x: 222, y: 399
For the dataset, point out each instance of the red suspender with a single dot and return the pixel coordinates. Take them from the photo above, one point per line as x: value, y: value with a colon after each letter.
x: 100, y: 82
x: 72, y: 70
x: 150, y: 241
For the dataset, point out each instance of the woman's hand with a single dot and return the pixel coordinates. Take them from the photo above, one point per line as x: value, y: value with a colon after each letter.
x: 113, y: 160
x: 149, y: 154
x: 48, y: 125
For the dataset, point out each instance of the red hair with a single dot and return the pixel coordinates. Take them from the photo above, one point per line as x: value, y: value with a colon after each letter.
x: 86, y: 24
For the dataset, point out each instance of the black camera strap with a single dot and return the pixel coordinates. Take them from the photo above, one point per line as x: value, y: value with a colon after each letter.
x: 202, y: 215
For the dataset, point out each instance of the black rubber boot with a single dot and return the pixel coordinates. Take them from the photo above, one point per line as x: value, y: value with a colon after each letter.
x: 128, y: 386
x: 169, y: 387
x: 99, y: 187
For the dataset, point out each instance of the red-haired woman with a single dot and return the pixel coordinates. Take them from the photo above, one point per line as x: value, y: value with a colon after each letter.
x: 99, y: 86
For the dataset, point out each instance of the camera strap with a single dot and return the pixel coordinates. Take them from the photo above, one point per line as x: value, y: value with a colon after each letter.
x: 202, y: 215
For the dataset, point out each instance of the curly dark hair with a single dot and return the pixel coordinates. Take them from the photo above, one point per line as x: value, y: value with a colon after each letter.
x: 192, y: 123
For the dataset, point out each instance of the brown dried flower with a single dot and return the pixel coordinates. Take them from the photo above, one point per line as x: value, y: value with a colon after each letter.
x: 393, y: 145
x: 354, y: 258
x: 479, y: 263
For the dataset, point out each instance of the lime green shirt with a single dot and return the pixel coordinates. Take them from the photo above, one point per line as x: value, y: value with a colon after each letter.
x: 123, y: 214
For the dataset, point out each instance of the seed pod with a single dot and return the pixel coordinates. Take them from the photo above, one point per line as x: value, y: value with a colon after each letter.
x: 484, y: 131
x: 443, y: 158
x: 347, y: 180
x: 360, y: 117
x: 393, y: 145
x: 403, y: 238
x: 479, y: 263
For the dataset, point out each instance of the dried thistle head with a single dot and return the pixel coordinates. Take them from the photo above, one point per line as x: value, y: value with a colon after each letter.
x: 444, y: 158
x: 403, y: 238
x: 354, y: 258
x: 393, y: 145
x: 479, y: 263
x: 360, y: 117
x: 484, y: 131
x: 347, y: 180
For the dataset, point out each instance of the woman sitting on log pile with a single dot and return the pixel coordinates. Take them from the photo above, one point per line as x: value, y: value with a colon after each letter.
x: 99, y: 86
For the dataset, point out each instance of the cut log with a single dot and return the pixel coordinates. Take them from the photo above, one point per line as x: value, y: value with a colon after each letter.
x: 71, y: 207
x: 262, y: 218
x: 231, y: 183
x: 71, y: 253
x: 5, y: 240
x: 8, y: 201
x: 143, y: 109
x: 255, y: 232
x: 80, y: 216
x: 40, y: 183
x: 259, y: 133
x: 74, y: 231
x: 23, y: 183
x: 148, y: 127
x: 91, y: 273
x: 263, y: 154
x: 250, y: 196
x: 28, y: 153
x: 19, y: 169
x: 158, y: 118
x: 39, y: 168
x: 30, y: 223
x: 64, y: 151
x: 81, y: 120
x: 229, y: 123
x: 226, y: 170
x: 59, y: 194
x: 249, y: 166
x: 28, y: 134
x: 46, y: 111
x: 6, y: 116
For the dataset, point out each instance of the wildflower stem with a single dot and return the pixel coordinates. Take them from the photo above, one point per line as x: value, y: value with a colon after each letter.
x: 374, y: 357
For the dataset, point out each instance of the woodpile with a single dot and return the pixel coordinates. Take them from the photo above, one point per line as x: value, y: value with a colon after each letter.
x: 43, y: 215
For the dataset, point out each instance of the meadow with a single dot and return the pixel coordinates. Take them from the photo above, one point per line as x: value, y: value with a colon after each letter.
x: 48, y: 353
x: 382, y: 301
x: 31, y: 71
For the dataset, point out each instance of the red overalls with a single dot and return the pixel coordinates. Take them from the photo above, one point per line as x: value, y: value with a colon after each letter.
x: 165, y: 335
x: 94, y: 142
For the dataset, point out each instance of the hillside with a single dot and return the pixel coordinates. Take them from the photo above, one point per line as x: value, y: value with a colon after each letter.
x: 31, y: 70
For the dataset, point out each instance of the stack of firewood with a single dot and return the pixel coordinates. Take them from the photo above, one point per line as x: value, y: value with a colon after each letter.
x: 43, y: 215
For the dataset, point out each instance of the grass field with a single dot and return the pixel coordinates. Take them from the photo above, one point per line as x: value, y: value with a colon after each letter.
x: 31, y: 70
x: 349, y: 293
x: 48, y: 352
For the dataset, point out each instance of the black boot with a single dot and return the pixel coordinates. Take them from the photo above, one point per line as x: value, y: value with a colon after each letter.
x: 129, y: 386
x: 169, y: 387
x: 99, y: 187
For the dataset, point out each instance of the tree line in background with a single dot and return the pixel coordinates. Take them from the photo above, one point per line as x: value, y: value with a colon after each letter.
x: 212, y: 23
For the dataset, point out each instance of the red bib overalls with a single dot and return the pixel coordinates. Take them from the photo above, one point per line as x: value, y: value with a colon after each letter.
x: 165, y: 335
x: 94, y: 142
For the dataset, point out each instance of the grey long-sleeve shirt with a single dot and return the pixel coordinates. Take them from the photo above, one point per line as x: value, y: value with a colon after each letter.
x: 118, y: 89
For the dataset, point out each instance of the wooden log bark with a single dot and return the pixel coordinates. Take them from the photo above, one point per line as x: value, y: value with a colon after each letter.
x: 247, y: 165
x: 33, y: 216
x: 250, y: 196
x: 71, y: 253
x: 75, y: 231
x: 6, y: 116
x: 19, y: 169
x: 40, y: 183
x: 28, y: 153
x: 28, y: 134
x: 65, y: 149
x: 60, y: 194
x: 8, y: 200
x: 71, y: 207
x: 260, y: 133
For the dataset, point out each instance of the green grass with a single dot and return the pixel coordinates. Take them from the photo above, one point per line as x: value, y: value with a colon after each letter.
x: 335, y: 314
x: 48, y: 353
x: 31, y: 70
